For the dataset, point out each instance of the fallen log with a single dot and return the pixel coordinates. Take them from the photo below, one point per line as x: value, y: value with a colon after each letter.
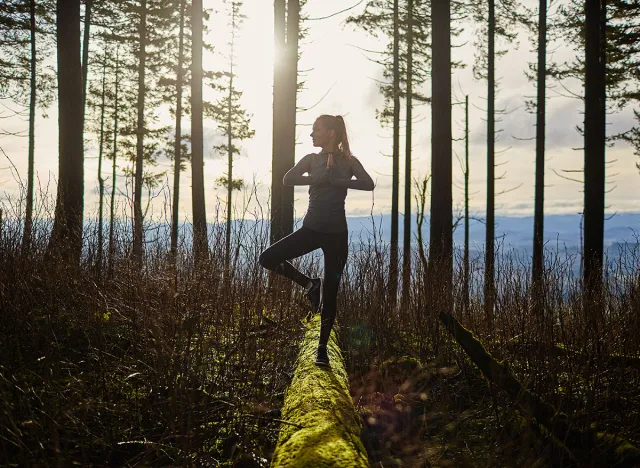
x: 589, y: 447
x: 324, y: 426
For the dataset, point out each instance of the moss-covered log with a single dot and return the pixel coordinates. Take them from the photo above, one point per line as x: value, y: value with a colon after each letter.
x: 323, y: 427
x: 589, y: 447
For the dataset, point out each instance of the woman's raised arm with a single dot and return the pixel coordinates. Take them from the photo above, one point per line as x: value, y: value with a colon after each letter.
x: 362, y: 181
x: 295, y: 175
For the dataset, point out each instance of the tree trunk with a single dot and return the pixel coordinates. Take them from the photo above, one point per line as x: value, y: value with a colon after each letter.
x: 395, y: 179
x: 200, y: 247
x: 594, y: 153
x: 177, y: 148
x: 140, y: 130
x: 278, y: 145
x: 112, y: 207
x: 28, y: 218
x: 289, y: 128
x: 406, y: 244
x: 538, y: 217
x: 100, y: 178
x: 465, y: 286
x: 66, y: 237
x: 441, y: 244
x: 85, y: 52
x: 227, y: 250
x: 489, y: 265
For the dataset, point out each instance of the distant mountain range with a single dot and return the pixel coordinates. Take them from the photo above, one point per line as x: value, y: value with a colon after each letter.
x: 515, y: 232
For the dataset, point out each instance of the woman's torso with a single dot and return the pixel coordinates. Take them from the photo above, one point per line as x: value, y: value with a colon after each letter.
x: 326, y: 211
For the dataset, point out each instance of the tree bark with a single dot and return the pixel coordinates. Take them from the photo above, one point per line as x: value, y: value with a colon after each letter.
x: 489, y: 261
x: 66, y: 237
x: 290, y: 99
x: 28, y: 218
x: 227, y: 249
x: 140, y: 131
x: 278, y: 145
x: 177, y: 146
x: 88, y: 6
x: 395, y: 179
x: 441, y: 243
x: 538, y: 217
x: 465, y: 286
x: 200, y: 245
x: 112, y: 206
x: 594, y: 152
x: 100, y: 178
x: 406, y: 244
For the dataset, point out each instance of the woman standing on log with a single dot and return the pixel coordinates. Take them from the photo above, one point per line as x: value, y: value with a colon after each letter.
x: 330, y: 175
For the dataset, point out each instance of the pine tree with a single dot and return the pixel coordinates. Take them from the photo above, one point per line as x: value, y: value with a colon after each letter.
x: 606, y: 39
x: 232, y: 120
x: 537, y: 273
x: 200, y: 248
x: 25, y: 28
x: 405, y: 60
x: 395, y: 176
x: 441, y: 244
x: 594, y: 149
x: 66, y: 237
x: 499, y: 24
x: 285, y: 87
x: 406, y: 243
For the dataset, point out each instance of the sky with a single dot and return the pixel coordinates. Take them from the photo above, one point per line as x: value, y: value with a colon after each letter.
x: 335, y: 67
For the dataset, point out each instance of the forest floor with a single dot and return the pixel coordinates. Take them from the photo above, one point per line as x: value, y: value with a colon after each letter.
x: 436, y: 415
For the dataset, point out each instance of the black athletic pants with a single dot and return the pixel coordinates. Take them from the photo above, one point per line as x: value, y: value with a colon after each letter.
x: 335, y: 247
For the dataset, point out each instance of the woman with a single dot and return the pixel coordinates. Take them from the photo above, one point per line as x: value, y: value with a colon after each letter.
x: 330, y: 175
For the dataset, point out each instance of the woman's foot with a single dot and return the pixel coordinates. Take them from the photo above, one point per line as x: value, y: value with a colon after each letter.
x: 322, y: 357
x: 313, y: 293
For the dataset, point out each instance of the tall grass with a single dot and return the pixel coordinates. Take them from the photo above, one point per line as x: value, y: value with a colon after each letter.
x: 180, y: 364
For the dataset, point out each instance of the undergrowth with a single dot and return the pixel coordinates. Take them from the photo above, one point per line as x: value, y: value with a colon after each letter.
x: 182, y: 364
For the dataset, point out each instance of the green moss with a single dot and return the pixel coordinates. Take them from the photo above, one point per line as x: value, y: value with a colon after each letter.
x: 323, y: 427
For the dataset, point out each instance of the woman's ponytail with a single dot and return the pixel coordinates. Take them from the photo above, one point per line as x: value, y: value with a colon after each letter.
x: 336, y: 123
x: 343, y: 140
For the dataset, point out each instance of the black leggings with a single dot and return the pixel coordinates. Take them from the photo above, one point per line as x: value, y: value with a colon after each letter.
x: 335, y: 247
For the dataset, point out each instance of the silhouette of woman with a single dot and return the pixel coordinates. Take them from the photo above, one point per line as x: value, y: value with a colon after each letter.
x: 331, y: 173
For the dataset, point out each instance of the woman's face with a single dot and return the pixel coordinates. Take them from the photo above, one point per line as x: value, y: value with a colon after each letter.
x: 320, y: 135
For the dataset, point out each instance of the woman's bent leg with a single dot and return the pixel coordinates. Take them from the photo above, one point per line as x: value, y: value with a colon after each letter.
x: 336, y: 250
x: 294, y: 245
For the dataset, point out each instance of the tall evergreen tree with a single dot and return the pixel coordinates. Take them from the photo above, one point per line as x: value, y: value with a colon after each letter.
x: 102, y: 132
x: 25, y: 31
x: 406, y: 60
x: 594, y: 146
x: 441, y: 244
x: 498, y: 23
x: 200, y: 245
x: 395, y: 176
x: 606, y: 38
x: 406, y: 244
x: 278, y: 165
x: 114, y: 166
x: 177, y: 149
x: 465, y: 260
x: 86, y: 37
x: 233, y: 121
x: 538, y: 216
x: 140, y: 130
x: 66, y: 237
x: 290, y: 92
x: 285, y: 87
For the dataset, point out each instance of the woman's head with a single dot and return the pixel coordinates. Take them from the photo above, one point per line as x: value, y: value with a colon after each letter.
x: 330, y: 133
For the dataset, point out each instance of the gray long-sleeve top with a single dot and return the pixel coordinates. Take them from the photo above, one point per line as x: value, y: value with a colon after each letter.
x: 328, y: 188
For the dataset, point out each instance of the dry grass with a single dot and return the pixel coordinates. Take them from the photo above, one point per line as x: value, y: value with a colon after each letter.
x: 178, y: 366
